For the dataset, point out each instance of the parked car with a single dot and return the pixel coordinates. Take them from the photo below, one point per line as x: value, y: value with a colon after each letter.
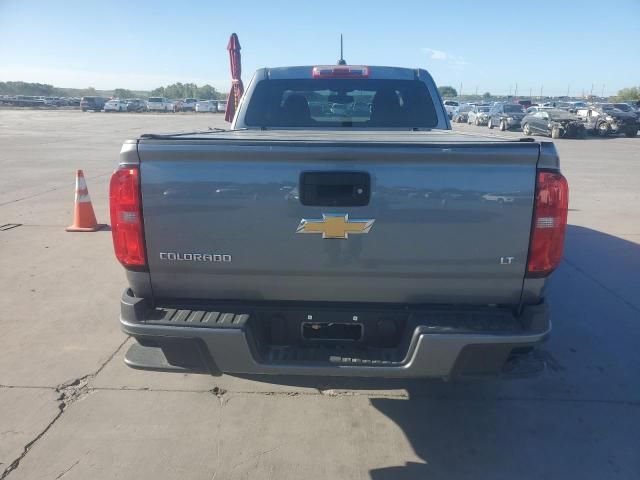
x: 222, y: 105
x: 354, y: 288
x: 506, y: 116
x: 92, y: 103
x: 73, y: 101
x: 571, y: 106
x: 449, y: 106
x: 136, y: 105
x: 538, y: 108
x: 27, y: 101
x: 189, y: 105
x: 115, y: 105
x: 498, y: 198
x: 604, y: 119
x: 207, y: 106
x: 461, y: 113
x: 159, y: 104
x: 627, y: 108
x: 478, y: 115
x: 52, y: 101
x: 555, y: 123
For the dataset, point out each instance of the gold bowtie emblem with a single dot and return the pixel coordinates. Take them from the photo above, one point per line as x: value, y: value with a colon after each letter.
x: 334, y: 226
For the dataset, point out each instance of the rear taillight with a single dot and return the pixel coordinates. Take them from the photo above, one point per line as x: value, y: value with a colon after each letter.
x: 549, y: 224
x: 126, y: 217
x: 341, y: 71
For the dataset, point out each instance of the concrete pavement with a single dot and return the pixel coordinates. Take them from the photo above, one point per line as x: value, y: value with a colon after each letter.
x: 71, y: 409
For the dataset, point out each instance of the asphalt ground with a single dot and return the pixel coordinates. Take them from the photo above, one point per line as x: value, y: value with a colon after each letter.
x: 70, y: 408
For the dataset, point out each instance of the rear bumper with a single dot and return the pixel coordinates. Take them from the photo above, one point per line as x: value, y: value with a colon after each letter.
x: 441, y: 343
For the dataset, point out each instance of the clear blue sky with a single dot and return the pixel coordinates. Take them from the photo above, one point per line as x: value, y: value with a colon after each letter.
x: 489, y: 45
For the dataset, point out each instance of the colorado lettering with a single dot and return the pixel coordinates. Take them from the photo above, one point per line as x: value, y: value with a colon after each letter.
x: 195, y: 257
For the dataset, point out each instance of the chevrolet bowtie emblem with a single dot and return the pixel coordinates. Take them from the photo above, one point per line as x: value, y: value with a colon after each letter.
x: 334, y: 226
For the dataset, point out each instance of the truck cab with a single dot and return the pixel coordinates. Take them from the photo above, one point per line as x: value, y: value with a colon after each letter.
x: 364, y: 98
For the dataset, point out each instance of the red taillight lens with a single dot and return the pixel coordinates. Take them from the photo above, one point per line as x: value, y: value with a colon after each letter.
x: 549, y: 224
x: 341, y: 71
x: 126, y: 217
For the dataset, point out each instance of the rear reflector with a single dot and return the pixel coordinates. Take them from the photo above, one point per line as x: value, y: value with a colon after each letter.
x: 342, y: 71
x: 126, y: 217
x: 549, y: 224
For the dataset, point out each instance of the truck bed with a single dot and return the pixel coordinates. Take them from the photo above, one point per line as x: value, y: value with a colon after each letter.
x: 450, y: 214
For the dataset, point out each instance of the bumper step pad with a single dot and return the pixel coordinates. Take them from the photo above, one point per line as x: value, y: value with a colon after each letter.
x: 196, y: 318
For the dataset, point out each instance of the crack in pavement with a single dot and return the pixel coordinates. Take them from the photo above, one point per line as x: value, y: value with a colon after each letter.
x: 258, y: 455
x: 70, y: 392
x: 35, y: 387
x: 330, y: 393
x: 219, y: 394
x: 63, y: 473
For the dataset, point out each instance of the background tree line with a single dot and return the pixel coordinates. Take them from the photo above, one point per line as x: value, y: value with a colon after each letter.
x: 188, y: 90
x: 24, y: 88
x: 205, y: 92
x: 632, y: 93
x: 175, y: 91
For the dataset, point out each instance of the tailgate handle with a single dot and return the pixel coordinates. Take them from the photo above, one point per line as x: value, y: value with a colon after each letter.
x: 335, y: 189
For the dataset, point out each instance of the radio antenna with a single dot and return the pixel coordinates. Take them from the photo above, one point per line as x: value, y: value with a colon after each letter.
x: 342, y: 61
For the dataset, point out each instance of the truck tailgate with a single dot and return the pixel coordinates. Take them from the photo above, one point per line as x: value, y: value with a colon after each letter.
x: 450, y: 222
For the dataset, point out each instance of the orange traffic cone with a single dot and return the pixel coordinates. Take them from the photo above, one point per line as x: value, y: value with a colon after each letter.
x: 84, y: 220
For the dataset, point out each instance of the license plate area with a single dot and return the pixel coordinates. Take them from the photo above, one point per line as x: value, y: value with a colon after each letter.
x: 332, y: 331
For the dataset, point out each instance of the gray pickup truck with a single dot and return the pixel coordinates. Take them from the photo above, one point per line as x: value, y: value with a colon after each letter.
x: 338, y: 228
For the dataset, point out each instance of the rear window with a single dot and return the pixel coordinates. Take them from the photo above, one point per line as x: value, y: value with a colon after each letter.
x: 341, y: 103
x: 156, y: 99
x: 88, y: 99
